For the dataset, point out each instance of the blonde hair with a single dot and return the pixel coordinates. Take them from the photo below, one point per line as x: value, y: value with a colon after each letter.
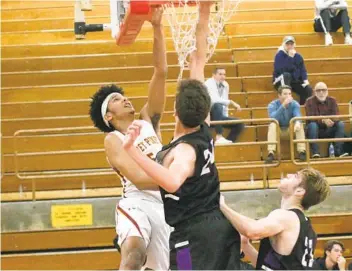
x: 316, y: 186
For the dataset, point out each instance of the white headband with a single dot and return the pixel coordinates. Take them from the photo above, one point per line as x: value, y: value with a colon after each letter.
x: 104, y: 107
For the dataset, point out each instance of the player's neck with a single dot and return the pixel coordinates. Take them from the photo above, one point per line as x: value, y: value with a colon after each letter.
x: 180, y: 130
x: 290, y: 203
x: 329, y: 264
x: 122, y: 125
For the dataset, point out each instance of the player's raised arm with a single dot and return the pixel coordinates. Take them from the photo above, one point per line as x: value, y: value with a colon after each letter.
x: 198, y: 57
x: 154, y: 108
x: 170, y: 179
x: 119, y: 159
x: 271, y: 225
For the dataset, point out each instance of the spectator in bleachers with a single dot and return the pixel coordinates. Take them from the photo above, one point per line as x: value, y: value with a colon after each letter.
x: 321, y: 104
x: 333, y: 258
x: 218, y: 90
x: 289, y: 70
x: 283, y: 110
x: 330, y: 16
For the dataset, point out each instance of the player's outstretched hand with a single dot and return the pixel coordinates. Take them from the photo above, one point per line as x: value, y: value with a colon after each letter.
x: 156, y: 16
x: 132, y: 133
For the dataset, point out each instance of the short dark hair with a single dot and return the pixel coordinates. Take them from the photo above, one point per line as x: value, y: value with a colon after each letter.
x: 96, y: 103
x: 281, y: 88
x: 192, y: 102
x: 218, y: 68
x: 316, y: 186
x: 330, y: 244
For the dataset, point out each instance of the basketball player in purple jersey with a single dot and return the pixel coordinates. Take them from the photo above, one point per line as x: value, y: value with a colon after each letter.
x: 287, y: 237
x: 202, y: 237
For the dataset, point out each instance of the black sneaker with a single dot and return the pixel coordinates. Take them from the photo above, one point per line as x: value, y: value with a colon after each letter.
x: 270, y: 158
x: 302, y: 156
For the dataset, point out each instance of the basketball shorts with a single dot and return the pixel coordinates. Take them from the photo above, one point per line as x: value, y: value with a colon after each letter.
x: 145, y: 219
x: 205, y: 242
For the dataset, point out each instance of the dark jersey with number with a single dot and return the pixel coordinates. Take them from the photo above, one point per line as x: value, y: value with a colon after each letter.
x: 301, y: 257
x: 199, y: 193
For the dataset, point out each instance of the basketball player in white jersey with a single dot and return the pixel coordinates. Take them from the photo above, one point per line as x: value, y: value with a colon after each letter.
x: 140, y: 224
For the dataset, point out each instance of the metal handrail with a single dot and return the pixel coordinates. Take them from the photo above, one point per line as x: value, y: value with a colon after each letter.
x: 1, y: 160
x: 99, y: 172
x: 307, y: 141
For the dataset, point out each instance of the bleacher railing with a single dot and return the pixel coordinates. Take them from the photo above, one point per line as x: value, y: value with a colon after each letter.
x: 309, y: 161
x: 87, y: 130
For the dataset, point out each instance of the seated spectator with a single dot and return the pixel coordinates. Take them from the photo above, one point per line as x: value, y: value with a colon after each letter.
x: 289, y: 70
x: 333, y: 259
x: 330, y: 16
x: 219, y: 93
x: 283, y: 110
x: 323, y: 105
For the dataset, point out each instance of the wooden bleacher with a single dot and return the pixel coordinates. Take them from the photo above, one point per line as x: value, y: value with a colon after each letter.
x: 48, y: 77
x: 97, y: 252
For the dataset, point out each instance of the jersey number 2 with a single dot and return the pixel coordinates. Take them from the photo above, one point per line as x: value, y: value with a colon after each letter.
x: 307, y: 259
x: 209, y: 159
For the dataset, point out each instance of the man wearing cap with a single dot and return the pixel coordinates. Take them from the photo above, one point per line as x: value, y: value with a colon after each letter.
x: 330, y: 16
x: 289, y: 70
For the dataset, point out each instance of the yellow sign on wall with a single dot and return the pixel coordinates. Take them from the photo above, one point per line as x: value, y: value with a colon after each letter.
x: 71, y: 215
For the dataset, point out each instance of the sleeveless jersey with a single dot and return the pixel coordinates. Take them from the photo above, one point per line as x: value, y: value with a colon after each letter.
x: 301, y: 257
x: 200, y: 193
x: 149, y: 143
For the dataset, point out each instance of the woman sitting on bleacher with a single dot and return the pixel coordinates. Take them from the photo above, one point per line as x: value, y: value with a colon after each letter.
x: 289, y: 70
x: 330, y: 16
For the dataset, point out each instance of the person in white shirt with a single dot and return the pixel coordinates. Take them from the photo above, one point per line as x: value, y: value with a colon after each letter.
x: 330, y: 16
x: 219, y: 93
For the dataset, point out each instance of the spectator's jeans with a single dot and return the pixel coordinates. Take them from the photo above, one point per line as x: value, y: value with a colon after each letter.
x: 301, y: 147
x: 336, y: 131
x: 303, y: 92
x: 327, y: 24
x: 217, y: 113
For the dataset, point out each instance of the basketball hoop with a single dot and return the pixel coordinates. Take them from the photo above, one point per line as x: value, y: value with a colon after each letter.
x: 128, y: 17
x: 183, y: 16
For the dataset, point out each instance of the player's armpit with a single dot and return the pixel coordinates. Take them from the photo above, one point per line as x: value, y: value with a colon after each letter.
x: 152, y: 118
x: 120, y: 160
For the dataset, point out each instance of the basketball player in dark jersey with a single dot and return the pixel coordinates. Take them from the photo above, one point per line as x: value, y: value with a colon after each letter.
x: 188, y: 178
x: 287, y: 237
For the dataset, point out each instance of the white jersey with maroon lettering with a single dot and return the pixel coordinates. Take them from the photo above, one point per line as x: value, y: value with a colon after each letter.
x: 140, y: 213
x: 149, y: 143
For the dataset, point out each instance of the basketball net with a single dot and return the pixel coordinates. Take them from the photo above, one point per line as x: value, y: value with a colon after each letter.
x: 183, y: 16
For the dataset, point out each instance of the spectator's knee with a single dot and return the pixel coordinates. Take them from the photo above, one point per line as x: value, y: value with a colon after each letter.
x: 325, y: 11
x: 313, y: 126
x: 217, y: 106
x: 216, y: 111
x: 340, y: 125
x: 344, y: 12
x: 241, y: 126
x: 309, y: 90
x: 287, y: 75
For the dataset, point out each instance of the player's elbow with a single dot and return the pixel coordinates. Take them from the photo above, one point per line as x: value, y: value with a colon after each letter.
x: 172, y: 187
x: 253, y: 236
x: 161, y: 71
x: 253, y: 232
